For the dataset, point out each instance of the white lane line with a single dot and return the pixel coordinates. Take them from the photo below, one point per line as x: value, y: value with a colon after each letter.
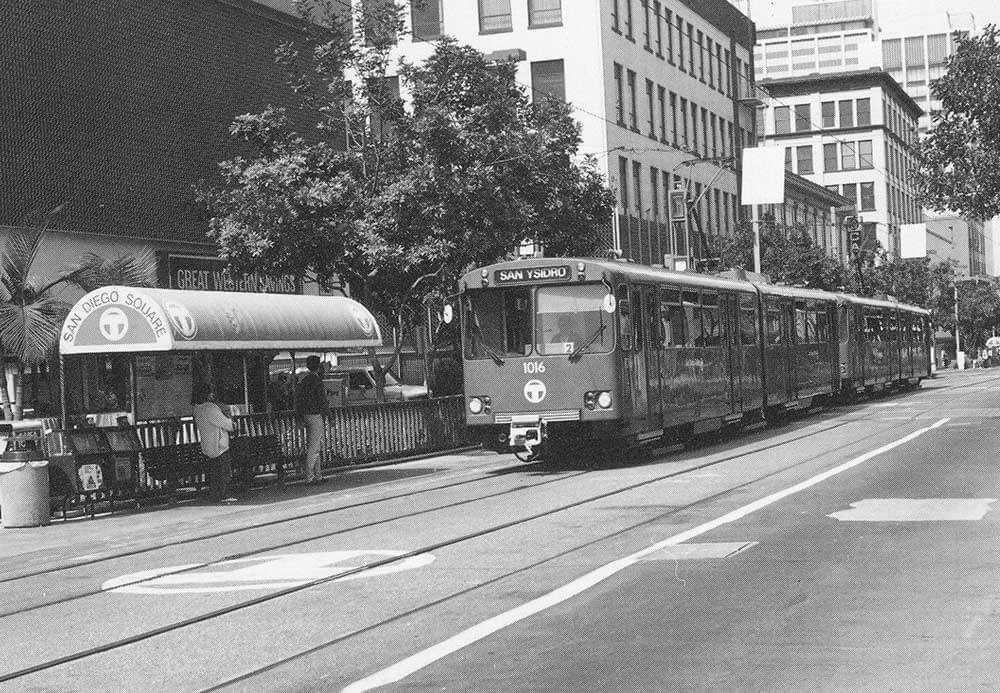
x: 412, y: 664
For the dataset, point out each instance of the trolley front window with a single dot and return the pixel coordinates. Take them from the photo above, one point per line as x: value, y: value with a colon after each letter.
x: 497, y: 323
x: 571, y: 317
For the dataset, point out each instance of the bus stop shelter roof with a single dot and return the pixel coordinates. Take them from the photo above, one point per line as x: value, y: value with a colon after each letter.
x: 120, y: 319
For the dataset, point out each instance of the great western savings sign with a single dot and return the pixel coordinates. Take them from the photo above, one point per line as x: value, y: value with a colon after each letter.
x: 116, y: 319
x: 211, y: 274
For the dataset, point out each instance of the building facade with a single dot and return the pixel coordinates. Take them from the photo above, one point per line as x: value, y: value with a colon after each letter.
x: 822, y: 38
x: 850, y: 132
x: 114, y: 116
x: 662, y: 90
x: 817, y: 210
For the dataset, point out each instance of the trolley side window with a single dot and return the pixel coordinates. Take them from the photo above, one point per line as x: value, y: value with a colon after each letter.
x: 710, y: 320
x: 569, y: 317
x: 692, y: 319
x: 671, y: 318
x: 748, y: 321
x: 773, y: 324
x: 498, y: 321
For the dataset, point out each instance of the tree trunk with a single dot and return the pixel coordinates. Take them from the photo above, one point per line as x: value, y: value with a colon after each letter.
x: 8, y: 413
x: 19, y: 392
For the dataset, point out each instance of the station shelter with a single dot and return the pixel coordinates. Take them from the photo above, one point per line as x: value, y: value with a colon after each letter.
x: 130, y: 358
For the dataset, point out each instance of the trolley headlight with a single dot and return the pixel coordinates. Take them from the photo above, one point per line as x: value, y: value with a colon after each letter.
x: 476, y: 405
x: 596, y: 399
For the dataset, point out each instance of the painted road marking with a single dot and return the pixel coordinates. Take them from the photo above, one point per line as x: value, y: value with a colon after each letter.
x: 259, y: 572
x: 915, y: 510
x: 695, y: 552
x: 400, y: 670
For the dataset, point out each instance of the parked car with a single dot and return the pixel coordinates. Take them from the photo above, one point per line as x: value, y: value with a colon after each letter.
x: 361, y: 387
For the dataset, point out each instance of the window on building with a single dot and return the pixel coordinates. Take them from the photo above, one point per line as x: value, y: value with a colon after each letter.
x: 633, y: 119
x: 673, y: 118
x: 615, y: 16
x: 651, y: 115
x: 690, y: 36
x: 848, y: 156
x: 637, y: 187
x: 720, y: 66
x: 937, y: 49
x: 803, y: 119
x: 704, y: 132
x: 804, y: 159
x: 685, y: 135
x: 619, y: 95
x: 829, y: 109
x: 729, y: 74
x: 892, y: 54
x: 914, y: 47
x: 694, y: 127
x: 788, y: 159
x: 867, y: 197
x: 379, y: 25
x: 654, y: 191
x: 661, y: 99
x: 494, y: 16
x: 782, y: 124
x: 659, y: 28
x: 425, y: 18
x: 669, y: 19
x: 701, y: 56
x: 548, y: 78
x: 865, y: 154
x: 623, y: 182
x: 542, y: 13
x: 715, y: 137
x: 829, y: 158
x: 711, y: 62
x: 864, y: 108
x: 846, y: 113
x: 628, y: 20
x: 647, y: 30
x: 851, y: 193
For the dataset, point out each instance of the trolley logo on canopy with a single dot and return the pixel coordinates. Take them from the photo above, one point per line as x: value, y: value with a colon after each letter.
x: 534, y: 391
x: 363, y: 319
x: 113, y: 324
x: 181, y: 319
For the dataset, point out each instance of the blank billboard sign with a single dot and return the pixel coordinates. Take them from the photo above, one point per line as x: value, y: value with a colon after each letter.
x: 913, y: 240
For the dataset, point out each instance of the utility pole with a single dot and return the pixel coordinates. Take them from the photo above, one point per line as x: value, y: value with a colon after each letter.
x: 959, y: 360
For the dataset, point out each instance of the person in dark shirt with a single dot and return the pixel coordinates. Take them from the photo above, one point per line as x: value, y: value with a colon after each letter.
x: 311, y: 405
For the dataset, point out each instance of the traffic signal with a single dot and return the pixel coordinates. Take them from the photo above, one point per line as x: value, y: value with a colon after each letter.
x: 853, y: 226
x: 678, y: 205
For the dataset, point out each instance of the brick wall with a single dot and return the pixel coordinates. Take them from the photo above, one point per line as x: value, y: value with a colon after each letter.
x: 120, y: 107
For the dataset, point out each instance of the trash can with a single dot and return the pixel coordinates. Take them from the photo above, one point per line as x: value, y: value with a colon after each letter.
x: 24, y: 486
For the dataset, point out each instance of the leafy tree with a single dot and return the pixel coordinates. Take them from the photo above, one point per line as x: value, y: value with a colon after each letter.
x: 978, y: 312
x: 916, y: 281
x: 458, y: 177
x: 957, y: 162
x: 787, y: 255
x: 32, y: 308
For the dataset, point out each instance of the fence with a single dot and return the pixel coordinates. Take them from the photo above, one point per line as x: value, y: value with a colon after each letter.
x: 353, y: 435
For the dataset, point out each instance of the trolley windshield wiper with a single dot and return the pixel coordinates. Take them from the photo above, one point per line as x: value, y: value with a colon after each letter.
x: 586, y: 345
x: 490, y: 351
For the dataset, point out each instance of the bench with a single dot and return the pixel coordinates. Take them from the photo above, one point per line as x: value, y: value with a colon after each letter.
x: 184, y: 464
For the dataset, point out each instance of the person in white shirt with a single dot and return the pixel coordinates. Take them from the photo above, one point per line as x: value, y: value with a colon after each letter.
x: 214, y: 428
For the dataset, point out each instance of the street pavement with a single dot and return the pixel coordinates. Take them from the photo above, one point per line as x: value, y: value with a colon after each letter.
x: 854, y: 549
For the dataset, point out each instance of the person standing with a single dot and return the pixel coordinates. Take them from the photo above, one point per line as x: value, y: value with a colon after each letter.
x: 312, y: 406
x: 214, y: 428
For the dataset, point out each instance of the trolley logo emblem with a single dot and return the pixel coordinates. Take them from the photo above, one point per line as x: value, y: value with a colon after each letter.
x: 363, y: 319
x: 113, y: 324
x: 534, y: 391
x: 181, y: 319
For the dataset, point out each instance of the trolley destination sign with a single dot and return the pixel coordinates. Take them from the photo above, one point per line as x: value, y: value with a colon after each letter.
x: 551, y: 273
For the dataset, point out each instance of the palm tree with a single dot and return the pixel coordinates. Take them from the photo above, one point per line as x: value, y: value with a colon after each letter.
x: 31, y: 309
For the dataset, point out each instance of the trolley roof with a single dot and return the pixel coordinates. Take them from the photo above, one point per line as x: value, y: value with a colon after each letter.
x: 125, y: 320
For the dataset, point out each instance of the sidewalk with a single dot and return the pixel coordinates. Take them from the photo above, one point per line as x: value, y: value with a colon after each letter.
x: 84, y: 538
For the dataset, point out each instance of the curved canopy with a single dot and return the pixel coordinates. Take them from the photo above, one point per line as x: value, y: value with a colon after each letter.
x: 124, y: 319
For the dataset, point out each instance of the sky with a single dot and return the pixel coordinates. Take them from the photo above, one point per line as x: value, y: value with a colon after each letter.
x: 894, y: 15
